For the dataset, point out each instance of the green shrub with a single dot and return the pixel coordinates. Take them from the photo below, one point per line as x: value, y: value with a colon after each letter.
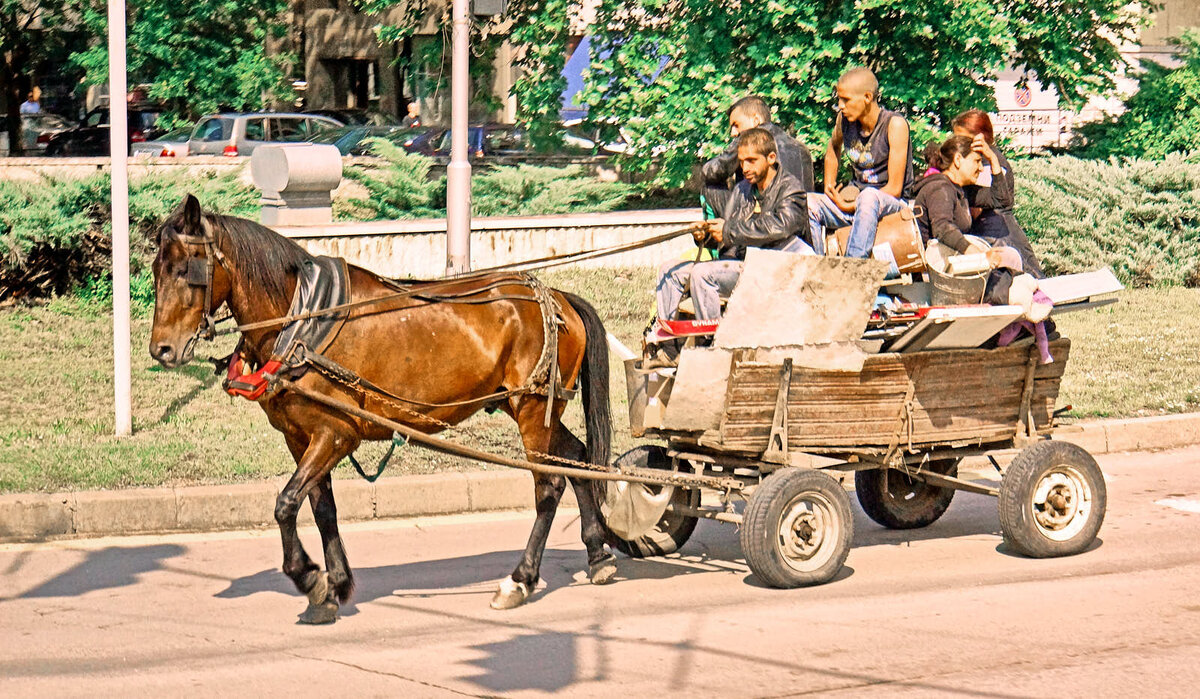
x: 1140, y: 217
x: 533, y: 191
x: 1162, y: 117
x: 55, y: 235
x: 401, y: 189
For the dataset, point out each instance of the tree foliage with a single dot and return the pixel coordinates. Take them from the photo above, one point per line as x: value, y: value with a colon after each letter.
x: 197, y: 56
x: 668, y: 69
x: 1163, y: 117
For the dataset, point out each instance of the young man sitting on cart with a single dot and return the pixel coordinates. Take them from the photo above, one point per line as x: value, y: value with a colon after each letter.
x: 767, y: 209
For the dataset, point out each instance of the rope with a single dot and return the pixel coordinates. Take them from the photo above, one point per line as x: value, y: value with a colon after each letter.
x: 429, y: 289
x: 578, y: 469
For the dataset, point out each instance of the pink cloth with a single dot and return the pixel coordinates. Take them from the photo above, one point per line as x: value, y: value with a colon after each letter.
x: 930, y: 171
x: 1010, y: 333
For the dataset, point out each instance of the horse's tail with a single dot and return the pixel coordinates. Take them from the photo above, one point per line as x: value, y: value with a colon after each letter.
x: 593, y: 380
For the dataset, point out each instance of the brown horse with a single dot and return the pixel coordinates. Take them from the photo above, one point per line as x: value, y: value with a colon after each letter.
x: 439, y: 355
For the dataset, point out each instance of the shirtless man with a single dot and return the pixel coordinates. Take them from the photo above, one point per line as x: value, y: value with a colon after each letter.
x: 877, y: 143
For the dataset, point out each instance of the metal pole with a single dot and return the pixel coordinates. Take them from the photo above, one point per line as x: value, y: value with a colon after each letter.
x: 118, y: 134
x: 458, y: 172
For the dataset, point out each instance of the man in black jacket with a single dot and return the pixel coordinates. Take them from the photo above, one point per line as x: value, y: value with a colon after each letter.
x: 766, y: 210
x: 748, y: 113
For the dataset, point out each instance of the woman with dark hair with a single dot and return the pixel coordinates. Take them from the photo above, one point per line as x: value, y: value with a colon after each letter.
x: 943, y: 213
x: 994, y: 221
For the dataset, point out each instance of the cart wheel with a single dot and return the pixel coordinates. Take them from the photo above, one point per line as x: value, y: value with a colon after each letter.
x: 797, y: 528
x: 1052, y: 500
x: 897, y: 501
x: 673, y: 529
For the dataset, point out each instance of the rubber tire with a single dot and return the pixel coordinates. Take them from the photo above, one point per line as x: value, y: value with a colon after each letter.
x: 673, y: 530
x: 1017, y: 488
x: 926, y: 504
x: 764, y: 516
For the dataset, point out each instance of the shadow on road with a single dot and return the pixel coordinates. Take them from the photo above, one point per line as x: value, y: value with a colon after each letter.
x: 103, y: 569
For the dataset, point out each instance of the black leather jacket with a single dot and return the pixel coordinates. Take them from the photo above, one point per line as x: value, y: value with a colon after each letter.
x: 782, y: 216
x: 794, y: 159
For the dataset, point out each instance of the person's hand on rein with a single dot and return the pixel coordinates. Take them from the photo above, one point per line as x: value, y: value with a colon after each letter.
x: 708, y: 230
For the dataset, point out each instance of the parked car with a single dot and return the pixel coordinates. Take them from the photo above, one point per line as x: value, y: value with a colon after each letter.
x: 420, y: 140
x: 36, y: 130
x: 241, y: 134
x: 357, y: 117
x: 90, y: 137
x: 347, y: 138
x: 171, y: 144
x: 507, y: 140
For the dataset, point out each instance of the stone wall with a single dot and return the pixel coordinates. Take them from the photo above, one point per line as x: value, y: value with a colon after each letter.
x: 418, y: 248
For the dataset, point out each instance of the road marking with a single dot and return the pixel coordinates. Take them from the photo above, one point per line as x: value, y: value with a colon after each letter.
x: 1180, y: 504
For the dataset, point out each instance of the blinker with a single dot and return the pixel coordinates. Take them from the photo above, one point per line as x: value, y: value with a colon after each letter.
x: 197, y: 272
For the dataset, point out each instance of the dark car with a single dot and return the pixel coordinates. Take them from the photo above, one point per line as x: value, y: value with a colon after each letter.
x: 357, y: 117
x: 90, y: 138
x: 507, y: 140
x: 349, y: 138
x: 419, y: 140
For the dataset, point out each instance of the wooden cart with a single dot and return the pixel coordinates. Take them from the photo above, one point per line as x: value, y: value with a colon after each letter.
x: 902, y: 425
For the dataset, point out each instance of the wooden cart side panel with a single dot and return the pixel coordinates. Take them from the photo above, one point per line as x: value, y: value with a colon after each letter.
x: 961, y: 395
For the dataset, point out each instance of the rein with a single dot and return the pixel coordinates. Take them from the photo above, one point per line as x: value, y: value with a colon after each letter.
x: 426, y: 289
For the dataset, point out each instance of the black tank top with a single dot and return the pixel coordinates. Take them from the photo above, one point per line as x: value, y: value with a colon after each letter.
x: 868, y: 153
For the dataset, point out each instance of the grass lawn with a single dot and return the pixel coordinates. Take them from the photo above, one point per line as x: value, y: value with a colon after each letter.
x: 1141, y: 356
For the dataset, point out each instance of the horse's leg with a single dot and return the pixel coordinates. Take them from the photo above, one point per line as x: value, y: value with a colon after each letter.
x: 547, y: 490
x: 336, y: 563
x: 323, y: 452
x: 602, y: 564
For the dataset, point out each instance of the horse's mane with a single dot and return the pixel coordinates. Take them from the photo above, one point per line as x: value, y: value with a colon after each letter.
x: 264, y: 258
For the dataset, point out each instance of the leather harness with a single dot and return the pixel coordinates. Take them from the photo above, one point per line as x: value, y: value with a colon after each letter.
x: 320, y: 308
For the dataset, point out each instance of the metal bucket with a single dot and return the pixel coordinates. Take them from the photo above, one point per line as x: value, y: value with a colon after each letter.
x: 948, y: 290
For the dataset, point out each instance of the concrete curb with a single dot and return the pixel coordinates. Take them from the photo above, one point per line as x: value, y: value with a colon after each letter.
x: 40, y: 516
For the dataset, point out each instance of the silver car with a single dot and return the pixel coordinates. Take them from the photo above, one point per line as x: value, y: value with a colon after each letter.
x: 241, y: 134
x: 171, y: 144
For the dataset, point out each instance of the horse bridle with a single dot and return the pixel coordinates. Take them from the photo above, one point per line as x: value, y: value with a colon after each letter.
x: 200, y: 273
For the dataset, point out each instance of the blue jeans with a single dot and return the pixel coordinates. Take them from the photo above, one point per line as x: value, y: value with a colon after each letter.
x: 871, y: 205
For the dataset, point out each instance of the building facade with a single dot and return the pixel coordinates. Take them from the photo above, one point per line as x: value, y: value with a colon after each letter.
x: 341, y: 64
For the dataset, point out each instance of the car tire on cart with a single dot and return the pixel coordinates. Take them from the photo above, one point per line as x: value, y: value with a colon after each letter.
x: 797, y: 528
x: 898, y: 501
x: 1052, y: 500
x: 672, y: 530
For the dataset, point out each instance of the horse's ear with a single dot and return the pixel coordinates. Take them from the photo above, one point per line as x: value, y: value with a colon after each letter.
x: 191, y: 212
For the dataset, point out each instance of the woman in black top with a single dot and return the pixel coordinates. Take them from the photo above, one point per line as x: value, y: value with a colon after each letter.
x: 994, y: 220
x: 943, y: 212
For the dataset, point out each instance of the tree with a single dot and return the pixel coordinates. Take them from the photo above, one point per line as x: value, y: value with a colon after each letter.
x: 1161, y: 118
x: 667, y: 69
x: 32, y: 33
x: 197, y: 56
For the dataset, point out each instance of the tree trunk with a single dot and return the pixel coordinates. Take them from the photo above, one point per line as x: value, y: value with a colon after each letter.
x: 10, y: 86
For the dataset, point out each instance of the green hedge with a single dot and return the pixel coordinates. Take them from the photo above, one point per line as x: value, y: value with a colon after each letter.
x: 1141, y: 217
x: 55, y: 234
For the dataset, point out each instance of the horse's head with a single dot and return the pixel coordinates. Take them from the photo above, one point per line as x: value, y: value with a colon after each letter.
x: 190, y: 283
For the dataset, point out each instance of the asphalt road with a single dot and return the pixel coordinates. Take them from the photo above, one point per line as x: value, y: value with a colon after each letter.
x: 940, y: 611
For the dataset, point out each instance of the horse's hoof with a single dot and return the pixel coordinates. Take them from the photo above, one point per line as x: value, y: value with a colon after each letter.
x: 318, y: 594
x: 324, y: 613
x: 602, y: 571
x: 510, y: 595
